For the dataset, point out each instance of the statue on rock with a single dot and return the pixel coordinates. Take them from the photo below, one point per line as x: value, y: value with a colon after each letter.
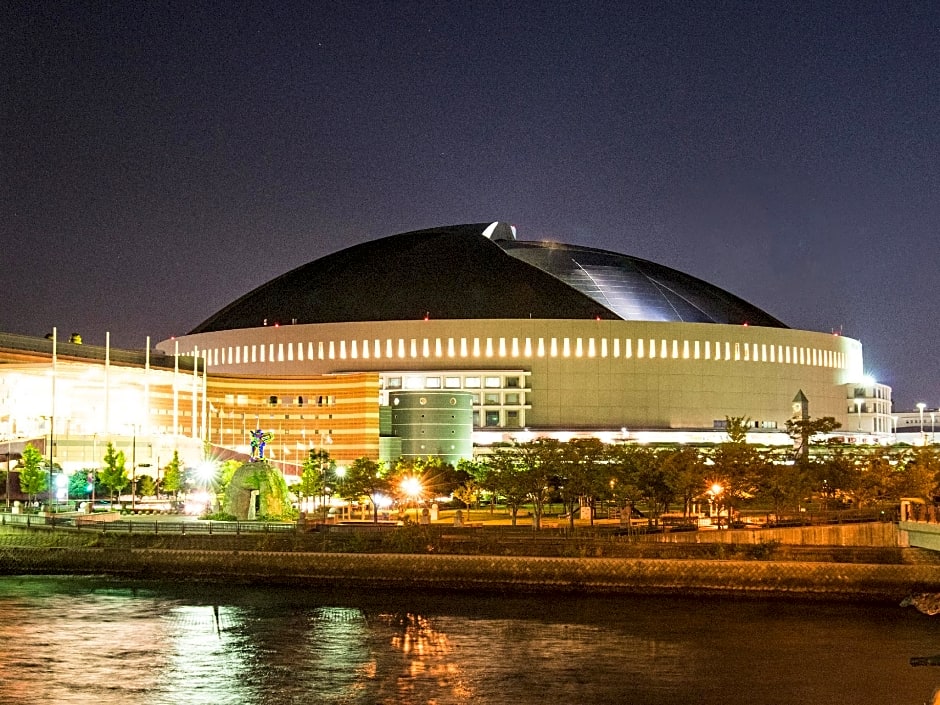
x: 257, y: 491
x: 259, y: 439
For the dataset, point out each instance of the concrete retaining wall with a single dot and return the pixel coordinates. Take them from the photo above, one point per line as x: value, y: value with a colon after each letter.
x: 883, y: 534
x: 833, y: 581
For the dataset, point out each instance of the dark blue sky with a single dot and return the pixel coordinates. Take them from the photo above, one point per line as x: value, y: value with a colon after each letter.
x: 159, y: 160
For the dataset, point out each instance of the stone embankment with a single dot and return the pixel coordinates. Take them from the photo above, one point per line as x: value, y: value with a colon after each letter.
x: 33, y: 553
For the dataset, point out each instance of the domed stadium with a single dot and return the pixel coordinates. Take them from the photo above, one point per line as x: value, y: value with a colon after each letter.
x: 455, y: 273
x: 547, y: 338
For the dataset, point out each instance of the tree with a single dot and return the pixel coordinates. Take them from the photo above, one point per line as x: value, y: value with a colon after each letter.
x: 80, y: 482
x: 623, y: 463
x: 920, y: 475
x: 538, y: 463
x: 580, y: 463
x: 802, y: 431
x: 367, y: 478
x: 146, y: 486
x: 172, y: 481
x: 33, y: 478
x: 685, y: 474
x: 113, y: 475
x: 737, y: 465
x: 317, y: 475
x: 468, y: 493
x: 784, y: 482
x: 505, y: 476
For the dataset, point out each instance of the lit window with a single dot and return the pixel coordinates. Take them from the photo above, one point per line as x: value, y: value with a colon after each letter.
x: 432, y: 382
x: 492, y: 418
x: 412, y: 382
x: 489, y: 347
x: 493, y: 382
x: 512, y: 398
x: 472, y: 382
x: 491, y: 398
x: 502, y: 347
x: 394, y: 382
x: 452, y: 382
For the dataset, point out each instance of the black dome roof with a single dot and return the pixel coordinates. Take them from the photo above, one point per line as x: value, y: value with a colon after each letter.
x: 481, y: 271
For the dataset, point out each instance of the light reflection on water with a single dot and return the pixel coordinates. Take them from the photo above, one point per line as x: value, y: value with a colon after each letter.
x: 96, y: 640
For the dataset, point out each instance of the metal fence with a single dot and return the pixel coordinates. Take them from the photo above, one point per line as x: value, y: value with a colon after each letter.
x: 93, y: 523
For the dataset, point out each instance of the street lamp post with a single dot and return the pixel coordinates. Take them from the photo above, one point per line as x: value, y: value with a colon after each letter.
x: 9, y: 456
x: 134, y: 471
x: 714, y: 493
x: 920, y: 407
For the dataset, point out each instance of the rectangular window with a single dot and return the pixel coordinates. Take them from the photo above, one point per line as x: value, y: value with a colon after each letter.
x: 394, y: 382
x: 432, y: 382
x: 492, y: 419
x: 452, y: 382
x: 512, y: 419
x: 493, y: 382
x: 475, y: 399
x: 512, y: 383
x: 472, y: 383
x: 491, y: 398
x: 512, y: 398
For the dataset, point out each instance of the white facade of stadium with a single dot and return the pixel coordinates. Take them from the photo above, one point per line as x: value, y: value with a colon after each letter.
x: 654, y: 380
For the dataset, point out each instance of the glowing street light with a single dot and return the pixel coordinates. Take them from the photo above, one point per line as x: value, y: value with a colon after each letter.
x: 714, y: 492
x: 411, y: 487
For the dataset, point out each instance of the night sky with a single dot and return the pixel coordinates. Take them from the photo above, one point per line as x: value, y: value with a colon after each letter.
x: 159, y: 160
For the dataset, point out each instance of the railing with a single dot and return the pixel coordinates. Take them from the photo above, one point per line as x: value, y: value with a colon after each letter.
x: 918, y: 510
x: 83, y: 523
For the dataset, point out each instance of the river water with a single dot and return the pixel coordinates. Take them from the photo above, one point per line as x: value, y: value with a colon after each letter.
x: 100, y: 640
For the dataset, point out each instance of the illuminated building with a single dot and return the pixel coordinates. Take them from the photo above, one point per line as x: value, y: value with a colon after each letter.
x: 547, y: 338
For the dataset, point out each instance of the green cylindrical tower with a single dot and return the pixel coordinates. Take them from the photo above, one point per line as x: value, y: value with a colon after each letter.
x: 436, y: 424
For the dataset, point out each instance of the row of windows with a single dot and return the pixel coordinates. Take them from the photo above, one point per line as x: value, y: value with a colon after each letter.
x: 493, y: 418
x: 450, y: 382
x: 413, y: 348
